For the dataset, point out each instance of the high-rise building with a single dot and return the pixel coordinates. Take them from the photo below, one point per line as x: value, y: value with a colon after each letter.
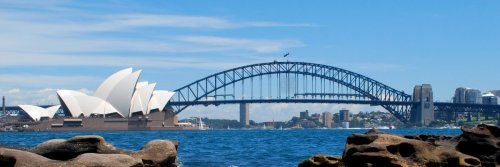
x: 245, y: 114
x: 315, y: 117
x: 344, y: 115
x: 459, y: 95
x: 327, y: 119
x: 467, y: 95
x: 304, y: 114
x: 473, y: 96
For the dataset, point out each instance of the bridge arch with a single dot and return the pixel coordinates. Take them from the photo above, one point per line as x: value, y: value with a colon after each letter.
x: 293, y: 78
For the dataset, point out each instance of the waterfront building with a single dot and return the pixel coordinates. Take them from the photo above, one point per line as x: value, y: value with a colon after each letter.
x: 327, y: 119
x: 473, y: 96
x: 345, y: 125
x: 245, y: 114
x: 315, y: 117
x: 344, y: 115
x: 304, y: 115
x: 459, y: 95
x: 467, y: 95
x: 490, y: 98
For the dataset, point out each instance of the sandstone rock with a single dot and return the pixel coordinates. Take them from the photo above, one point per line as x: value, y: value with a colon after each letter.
x: 482, y: 142
x: 176, y: 143
x: 158, y: 153
x: 91, y: 151
x: 446, y: 141
x: 93, y: 159
x: 17, y: 158
x: 60, y: 149
x: 322, y: 161
x: 381, y: 149
x: 22, y: 148
x: 11, y: 158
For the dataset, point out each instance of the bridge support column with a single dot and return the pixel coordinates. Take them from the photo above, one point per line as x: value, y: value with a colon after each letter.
x: 244, y: 114
x: 423, y: 113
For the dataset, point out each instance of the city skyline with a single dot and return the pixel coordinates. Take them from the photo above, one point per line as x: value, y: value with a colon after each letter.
x: 52, y: 45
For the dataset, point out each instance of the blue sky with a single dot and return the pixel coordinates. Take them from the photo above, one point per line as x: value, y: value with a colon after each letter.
x: 50, y: 45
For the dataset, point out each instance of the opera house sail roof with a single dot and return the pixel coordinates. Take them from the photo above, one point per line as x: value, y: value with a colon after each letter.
x: 36, y: 112
x: 142, y: 97
x: 120, y: 94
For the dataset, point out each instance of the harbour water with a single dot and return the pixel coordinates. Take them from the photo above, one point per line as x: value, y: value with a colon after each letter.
x: 228, y: 147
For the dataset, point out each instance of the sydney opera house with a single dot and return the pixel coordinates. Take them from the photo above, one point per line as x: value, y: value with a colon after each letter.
x: 121, y: 102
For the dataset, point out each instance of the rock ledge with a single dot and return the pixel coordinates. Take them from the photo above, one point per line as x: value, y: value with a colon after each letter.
x: 87, y: 151
x: 479, y: 146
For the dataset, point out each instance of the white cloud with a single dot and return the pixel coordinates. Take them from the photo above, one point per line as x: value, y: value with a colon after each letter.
x: 13, y: 91
x: 59, y: 35
x: 259, y: 45
x: 38, y: 81
x: 29, y: 96
x: 75, y: 23
x: 185, y: 44
x: 126, y: 21
x: 17, y: 59
x: 43, y: 96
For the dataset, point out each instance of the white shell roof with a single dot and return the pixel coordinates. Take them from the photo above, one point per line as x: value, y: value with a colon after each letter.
x: 159, y: 100
x: 79, y: 103
x: 36, y: 112
x: 120, y: 93
x: 141, y: 98
x: 104, y: 90
x: 52, y: 110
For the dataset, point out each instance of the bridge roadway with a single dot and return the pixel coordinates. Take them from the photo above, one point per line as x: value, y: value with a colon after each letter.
x: 439, y: 106
x: 219, y: 102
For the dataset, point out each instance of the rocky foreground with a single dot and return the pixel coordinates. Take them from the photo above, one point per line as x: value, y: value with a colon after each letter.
x: 479, y: 146
x: 87, y: 151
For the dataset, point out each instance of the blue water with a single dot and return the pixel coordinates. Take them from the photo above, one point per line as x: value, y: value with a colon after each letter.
x: 227, y: 147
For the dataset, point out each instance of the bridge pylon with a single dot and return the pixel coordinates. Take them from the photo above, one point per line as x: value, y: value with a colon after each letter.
x: 423, y: 112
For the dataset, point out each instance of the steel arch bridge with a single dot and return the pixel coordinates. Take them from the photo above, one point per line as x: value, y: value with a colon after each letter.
x: 292, y: 82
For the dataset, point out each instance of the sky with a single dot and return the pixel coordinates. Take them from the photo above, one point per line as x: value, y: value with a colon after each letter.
x: 64, y: 44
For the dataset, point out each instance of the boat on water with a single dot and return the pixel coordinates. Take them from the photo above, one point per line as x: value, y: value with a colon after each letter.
x: 447, y: 126
x: 386, y: 127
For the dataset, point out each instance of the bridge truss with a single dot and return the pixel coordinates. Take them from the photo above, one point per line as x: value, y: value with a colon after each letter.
x: 291, y: 82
